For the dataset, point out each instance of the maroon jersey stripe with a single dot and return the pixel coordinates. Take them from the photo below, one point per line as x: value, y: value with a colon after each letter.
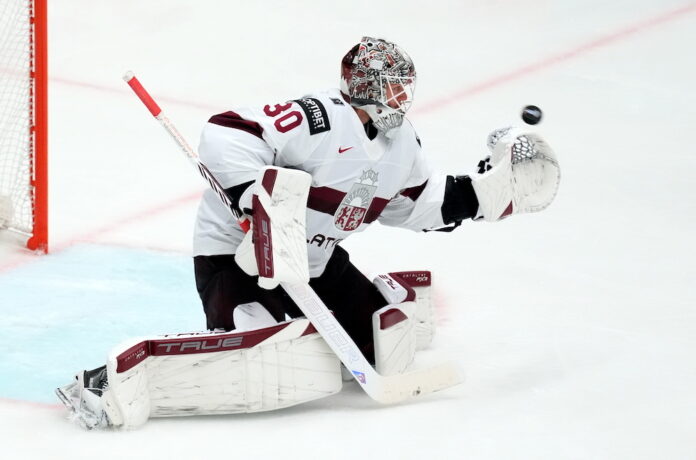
x: 376, y: 208
x: 233, y: 120
x: 324, y: 199
x: 414, y: 192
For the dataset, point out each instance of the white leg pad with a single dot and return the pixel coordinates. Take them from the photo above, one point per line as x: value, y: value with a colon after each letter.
x: 412, y: 286
x: 394, y: 338
x: 219, y: 373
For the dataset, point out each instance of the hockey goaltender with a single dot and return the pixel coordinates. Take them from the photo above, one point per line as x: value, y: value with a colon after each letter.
x: 308, y: 173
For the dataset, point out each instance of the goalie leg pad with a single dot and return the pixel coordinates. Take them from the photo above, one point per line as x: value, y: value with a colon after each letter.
x: 395, y: 338
x: 219, y: 373
x: 397, y: 287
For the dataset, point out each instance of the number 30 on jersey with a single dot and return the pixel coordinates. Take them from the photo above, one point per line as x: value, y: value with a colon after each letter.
x: 288, y: 121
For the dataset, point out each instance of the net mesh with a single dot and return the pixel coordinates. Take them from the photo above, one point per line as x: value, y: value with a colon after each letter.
x: 523, y: 149
x: 16, y: 115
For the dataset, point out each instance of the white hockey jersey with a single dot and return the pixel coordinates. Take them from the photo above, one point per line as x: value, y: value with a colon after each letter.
x: 355, y: 180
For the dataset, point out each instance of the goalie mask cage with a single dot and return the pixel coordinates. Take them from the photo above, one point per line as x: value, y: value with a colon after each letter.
x: 23, y: 121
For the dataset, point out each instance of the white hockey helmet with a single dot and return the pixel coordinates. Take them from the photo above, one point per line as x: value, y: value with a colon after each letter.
x: 379, y: 78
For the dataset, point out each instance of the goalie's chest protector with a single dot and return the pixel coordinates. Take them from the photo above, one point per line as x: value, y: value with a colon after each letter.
x: 353, y: 177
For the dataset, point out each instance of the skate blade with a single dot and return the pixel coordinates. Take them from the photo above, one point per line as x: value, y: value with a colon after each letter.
x: 63, y: 394
x: 86, y: 420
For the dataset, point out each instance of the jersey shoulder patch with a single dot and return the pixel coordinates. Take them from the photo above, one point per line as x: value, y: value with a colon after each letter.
x: 317, y: 117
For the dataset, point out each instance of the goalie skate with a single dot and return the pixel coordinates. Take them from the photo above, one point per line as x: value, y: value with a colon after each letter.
x: 83, y: 398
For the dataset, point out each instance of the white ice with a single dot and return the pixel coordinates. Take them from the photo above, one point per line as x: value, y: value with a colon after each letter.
x: 575, y: 327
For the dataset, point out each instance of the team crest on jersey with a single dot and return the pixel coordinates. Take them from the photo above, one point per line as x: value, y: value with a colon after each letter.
x: 353, y: 209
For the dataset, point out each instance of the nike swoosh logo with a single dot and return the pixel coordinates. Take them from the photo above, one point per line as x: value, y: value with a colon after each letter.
x: 340, y: 150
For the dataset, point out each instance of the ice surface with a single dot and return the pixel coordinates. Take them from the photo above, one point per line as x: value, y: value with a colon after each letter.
x: 80, y: 303
x: 576, y: 326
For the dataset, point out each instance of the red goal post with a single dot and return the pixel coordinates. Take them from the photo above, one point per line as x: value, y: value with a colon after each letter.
x: 24, y: 120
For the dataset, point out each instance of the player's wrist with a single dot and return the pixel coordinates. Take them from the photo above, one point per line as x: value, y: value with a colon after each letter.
x: 460, y: 200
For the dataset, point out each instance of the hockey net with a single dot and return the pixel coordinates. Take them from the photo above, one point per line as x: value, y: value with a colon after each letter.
x: 23, y: 162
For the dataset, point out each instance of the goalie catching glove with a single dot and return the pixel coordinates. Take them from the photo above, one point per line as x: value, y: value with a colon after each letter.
x: 275, y: 248
x: 521, y: 175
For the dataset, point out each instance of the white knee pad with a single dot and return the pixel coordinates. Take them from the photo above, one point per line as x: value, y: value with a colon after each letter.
x: 411, y: 286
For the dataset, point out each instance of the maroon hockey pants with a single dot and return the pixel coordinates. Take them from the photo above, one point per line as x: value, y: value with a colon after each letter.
x: 222, y: 285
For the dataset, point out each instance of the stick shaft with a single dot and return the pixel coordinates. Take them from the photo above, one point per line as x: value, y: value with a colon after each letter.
x: 191, y: 154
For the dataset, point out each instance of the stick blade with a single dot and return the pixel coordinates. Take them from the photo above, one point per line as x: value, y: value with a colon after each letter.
x: 402, y: 387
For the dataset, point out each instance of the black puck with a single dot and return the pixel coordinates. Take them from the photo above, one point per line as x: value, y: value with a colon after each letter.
x: 531, y: 114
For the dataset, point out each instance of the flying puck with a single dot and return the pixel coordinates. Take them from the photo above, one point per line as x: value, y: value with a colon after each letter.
x: 531, y: 114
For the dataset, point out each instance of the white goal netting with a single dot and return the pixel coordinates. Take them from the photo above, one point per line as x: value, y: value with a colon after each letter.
x: 16, y: 115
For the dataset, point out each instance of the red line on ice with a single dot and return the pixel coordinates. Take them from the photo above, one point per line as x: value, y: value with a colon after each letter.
x: 36, y: 404
x: 150, y: 212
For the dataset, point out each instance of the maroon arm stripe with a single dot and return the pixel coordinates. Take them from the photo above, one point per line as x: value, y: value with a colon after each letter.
x: 376, y: 208
x: 233, y: 120
x: 414, y: 192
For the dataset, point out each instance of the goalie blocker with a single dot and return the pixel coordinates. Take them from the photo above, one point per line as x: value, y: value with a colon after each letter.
x: 270, y: 366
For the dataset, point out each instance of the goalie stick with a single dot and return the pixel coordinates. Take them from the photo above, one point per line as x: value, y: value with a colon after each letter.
x: 383, y: 389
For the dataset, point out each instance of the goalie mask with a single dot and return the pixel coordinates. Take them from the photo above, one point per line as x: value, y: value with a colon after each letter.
x: 379, y: 78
